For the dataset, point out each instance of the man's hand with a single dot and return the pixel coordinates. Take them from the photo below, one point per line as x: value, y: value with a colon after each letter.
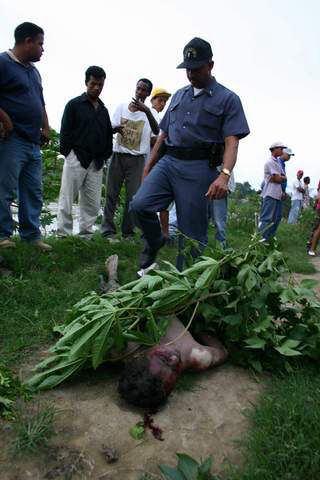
x: 45, y: 136
x: 146, y: 172
x: 118, y: 129
x: 219, y: 188
x: 139, y: 105
x: 6, y: 128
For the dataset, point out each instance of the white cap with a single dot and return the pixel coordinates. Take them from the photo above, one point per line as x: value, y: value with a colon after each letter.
x: 277, y: 145
x: 288, y: 151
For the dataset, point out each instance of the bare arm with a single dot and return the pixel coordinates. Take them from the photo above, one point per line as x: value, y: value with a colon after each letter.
x: 154, y: 154
x: 143, y: 108
x: 219, y: 188
x: 277, y: 178
x: 6, y: 125
x: 45, y: 127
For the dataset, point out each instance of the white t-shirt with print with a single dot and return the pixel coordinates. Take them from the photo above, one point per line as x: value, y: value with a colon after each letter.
x: 296, y: 195
x: 137, y: 131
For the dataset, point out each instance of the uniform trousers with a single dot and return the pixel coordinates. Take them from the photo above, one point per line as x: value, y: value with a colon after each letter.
x: 86, y: 183
x: 184, y: 181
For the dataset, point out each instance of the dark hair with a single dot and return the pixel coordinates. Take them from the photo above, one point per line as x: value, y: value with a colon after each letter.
x: 148, y: 82
x: 25, y: 30
x: 306, y: 179
x: 96, y: 72
x: 139, y: 387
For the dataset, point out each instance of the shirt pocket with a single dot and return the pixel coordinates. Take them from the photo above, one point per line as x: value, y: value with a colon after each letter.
x: 211, y: 118
x: 174, y: 112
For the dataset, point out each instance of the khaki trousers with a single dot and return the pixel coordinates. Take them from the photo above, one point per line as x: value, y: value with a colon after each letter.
x: 86, y: 183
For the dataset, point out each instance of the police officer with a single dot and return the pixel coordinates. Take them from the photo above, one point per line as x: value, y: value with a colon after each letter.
x: 200, y: 130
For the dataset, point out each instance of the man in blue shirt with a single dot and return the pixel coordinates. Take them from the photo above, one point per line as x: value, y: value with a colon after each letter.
x: 200, y: 130
x: 287, y: 153
x: 23, y: 127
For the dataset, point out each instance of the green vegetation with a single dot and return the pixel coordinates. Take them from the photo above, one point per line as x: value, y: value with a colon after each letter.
x: 188, y: 469
x: 10, y: 389
x: 238, y: 294
x: 33, y: 426
x: 283, y: 441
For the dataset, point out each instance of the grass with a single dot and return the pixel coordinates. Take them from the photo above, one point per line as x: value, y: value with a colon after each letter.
x: 44, y: 286
x: 32, y: 427
x: 284, y: 442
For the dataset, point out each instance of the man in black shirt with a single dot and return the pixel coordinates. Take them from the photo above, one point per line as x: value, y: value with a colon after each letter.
x: 86, y: 142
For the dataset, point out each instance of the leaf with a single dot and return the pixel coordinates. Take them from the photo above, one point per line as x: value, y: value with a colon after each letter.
x: 101, y: 344
x: 205, y: 467
x: 207, y: 277
x: 287, y: 348
x: 289, y: 352
x: 251, y: 281
x: 171, y: 473
x: 309, y: 283
x: 255, y: 342
x: 235, y: 319
x: 84, y: 341
x: 188, y: 466
x: 137, y: 431
x: 263, y: 325
x: 256, y: 365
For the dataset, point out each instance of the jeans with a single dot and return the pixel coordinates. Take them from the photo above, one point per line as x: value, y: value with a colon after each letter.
x: 184, y: 181
x: 294, y: 211
x: 269, y: 214
x: 20, y: 174
x: 218, y: 211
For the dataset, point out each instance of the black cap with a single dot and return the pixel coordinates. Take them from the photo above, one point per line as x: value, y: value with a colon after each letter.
x: 196, y: 53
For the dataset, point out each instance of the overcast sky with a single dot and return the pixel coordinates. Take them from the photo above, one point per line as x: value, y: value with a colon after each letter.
x: 267, y: 51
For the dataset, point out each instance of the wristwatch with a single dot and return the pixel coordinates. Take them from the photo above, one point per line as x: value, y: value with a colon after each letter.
x: 226, y: 171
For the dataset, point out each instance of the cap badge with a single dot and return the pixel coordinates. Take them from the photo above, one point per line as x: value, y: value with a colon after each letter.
x: 190, y: 53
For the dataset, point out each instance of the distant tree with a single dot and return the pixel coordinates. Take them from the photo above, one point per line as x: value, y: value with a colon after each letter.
x: 52, y: 168
x: 242, y: 190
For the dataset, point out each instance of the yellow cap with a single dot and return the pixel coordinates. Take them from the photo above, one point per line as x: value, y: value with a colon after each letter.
x: 156, y: 92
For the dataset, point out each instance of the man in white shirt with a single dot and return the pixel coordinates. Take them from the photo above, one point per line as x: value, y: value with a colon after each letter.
x: 296, y: 198
x: 137, y: 124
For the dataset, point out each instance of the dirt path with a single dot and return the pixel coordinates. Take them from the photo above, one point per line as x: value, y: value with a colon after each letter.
x: 204, y: 421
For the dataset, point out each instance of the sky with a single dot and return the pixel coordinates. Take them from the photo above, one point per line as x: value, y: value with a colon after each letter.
x: 267, y: 51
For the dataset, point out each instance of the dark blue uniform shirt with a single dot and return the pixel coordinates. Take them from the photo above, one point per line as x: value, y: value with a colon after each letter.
x: 206, y: 118
x: 21, y: 97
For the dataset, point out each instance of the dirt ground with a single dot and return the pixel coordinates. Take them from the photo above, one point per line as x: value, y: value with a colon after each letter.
x: 208, y: 420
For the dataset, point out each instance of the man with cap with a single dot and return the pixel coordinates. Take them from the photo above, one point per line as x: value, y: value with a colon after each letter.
x: 272, y: 192
x: 296, y: 198
x: 159, y: 98
x: 287, y: 153
x: 201, y: 129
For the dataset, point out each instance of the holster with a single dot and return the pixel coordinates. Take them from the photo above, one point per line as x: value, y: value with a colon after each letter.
x: 216, y: 155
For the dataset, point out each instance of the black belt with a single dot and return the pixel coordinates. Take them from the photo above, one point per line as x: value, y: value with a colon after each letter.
x: 189, y: 153
x: 213, y: 153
